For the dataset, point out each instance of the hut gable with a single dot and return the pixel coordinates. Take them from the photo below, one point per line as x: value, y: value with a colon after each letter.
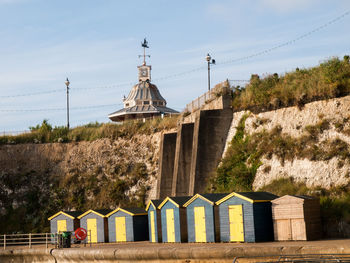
x: 133, y: 225
x: 100, y: 233
x: 153, y: 203
x: 71, y: 221
x: 175, y: 206
x: 255, y: 217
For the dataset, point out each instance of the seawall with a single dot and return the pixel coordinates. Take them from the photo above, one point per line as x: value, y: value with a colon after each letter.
x: 175, y: 253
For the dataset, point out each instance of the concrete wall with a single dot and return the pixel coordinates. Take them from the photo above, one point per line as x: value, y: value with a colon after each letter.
x: 166, y: 165
x: 210, y: 132
x: 183, y: 155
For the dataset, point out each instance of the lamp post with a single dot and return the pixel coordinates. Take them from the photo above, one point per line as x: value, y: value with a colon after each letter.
x: 67, y: 84
x: 210, y: 61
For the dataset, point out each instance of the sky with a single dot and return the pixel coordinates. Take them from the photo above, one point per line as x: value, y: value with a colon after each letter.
x: 96, y: 45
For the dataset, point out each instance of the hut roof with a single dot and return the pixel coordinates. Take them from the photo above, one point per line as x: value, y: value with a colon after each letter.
x: 99, y: 212
x: 133, y: 211
x: 252, y: 197
x: 155, y: 202
x: 178, y: 201
x: 70, y: 214
x: 210, y: 198
x: 294, y: 199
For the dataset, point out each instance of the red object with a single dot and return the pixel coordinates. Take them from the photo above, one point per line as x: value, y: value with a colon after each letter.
x: 80, y: 233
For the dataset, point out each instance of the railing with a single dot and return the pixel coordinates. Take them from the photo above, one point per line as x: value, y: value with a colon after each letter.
x: 30, y: 240
x: 200, y: 101
x: 206, y: 97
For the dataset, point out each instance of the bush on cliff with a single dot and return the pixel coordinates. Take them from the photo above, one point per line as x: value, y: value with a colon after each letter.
x: 328, y: 80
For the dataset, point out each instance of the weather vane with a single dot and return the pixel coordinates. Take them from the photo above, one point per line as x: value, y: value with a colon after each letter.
x: 144, y: 44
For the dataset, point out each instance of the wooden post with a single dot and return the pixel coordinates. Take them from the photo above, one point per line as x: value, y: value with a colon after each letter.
x: 4, y: 242
x: 46, y: 241
x: 30, y: 240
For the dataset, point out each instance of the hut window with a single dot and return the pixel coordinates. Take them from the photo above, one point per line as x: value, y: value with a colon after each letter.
x: 146, y: 102
x: 155, y: 103
x: 127, y: 105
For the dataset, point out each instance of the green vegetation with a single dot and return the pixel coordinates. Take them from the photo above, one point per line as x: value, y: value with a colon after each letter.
x: 45, y: 133
x: 238, y: 168
x: 27, y: 200
x: 328, y: 80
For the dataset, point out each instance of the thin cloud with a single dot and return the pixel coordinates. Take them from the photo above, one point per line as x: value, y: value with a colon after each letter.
x: 287, y: 5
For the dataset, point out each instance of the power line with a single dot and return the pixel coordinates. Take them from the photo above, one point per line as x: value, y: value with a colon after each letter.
x: 263, y: 52
x: 60, y: 109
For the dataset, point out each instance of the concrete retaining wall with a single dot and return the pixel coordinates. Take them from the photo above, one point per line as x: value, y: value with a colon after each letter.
x: 166, y: 164
x: 170, y: 253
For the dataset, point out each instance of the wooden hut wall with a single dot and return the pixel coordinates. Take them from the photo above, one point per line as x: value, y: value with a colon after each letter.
x: 69, y: 223
x: 180, y: 222
x: 248, y: 219
x: 209, y: 220
x: 101, y: 224
x: 263, y: 224
x: 140, y: 223
x: 312, y: 217
x: 296, y: 218
x: 157, y: 222
x: 129, y: 229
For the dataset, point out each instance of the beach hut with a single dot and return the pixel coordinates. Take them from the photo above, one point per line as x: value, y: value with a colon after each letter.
x: 203, y: 218
x: 246, y: 217
x: 128, y: 224
x: 64, y: 221
x: 296, y: 218
x: 154, y: 220
x: 96, y: 223
x: 173, y: 217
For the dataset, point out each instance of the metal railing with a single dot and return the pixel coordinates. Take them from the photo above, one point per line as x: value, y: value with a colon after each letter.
x: 206, y: 97
x: 30, y: 240
x: 27, y: 239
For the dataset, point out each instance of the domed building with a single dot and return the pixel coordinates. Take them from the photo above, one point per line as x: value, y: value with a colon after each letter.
x: 144, y: 99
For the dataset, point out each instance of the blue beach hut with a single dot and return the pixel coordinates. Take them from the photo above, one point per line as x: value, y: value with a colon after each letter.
x: 246, y: 217
x: 128, y: 224
x: 203, y: 218
x: 95, y: 222
x: 154, y: 220
x: 173, y: 217
x: 64, y: 221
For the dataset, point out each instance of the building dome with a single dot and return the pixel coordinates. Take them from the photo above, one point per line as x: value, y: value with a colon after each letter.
x: 144, y: 93
x: 144, y: 99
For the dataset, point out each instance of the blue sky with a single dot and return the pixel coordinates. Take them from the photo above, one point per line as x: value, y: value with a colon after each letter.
x: 96, y: 45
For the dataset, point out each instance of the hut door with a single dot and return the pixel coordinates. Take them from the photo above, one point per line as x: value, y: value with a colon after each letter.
x: 92, y: 226
x: 120, y: 229
x: 170, y: 225
x: 199, y: 224
x: 236, y: 223
x: 153, y: 232
x: 61, y: 225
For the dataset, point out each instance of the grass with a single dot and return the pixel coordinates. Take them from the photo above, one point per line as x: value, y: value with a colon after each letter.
x: 237, y: 169
x: 45, y: 133
x: 328, y: 80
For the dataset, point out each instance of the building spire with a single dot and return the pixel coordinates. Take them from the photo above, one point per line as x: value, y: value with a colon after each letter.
x: 144, y: 44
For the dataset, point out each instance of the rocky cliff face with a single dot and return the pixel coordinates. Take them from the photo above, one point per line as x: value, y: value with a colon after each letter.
x: 38, y: 179
x: 318, y: 137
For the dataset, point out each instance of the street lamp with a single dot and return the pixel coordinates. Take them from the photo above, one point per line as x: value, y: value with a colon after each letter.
x: 210, y: 61
x: 67, y: 84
